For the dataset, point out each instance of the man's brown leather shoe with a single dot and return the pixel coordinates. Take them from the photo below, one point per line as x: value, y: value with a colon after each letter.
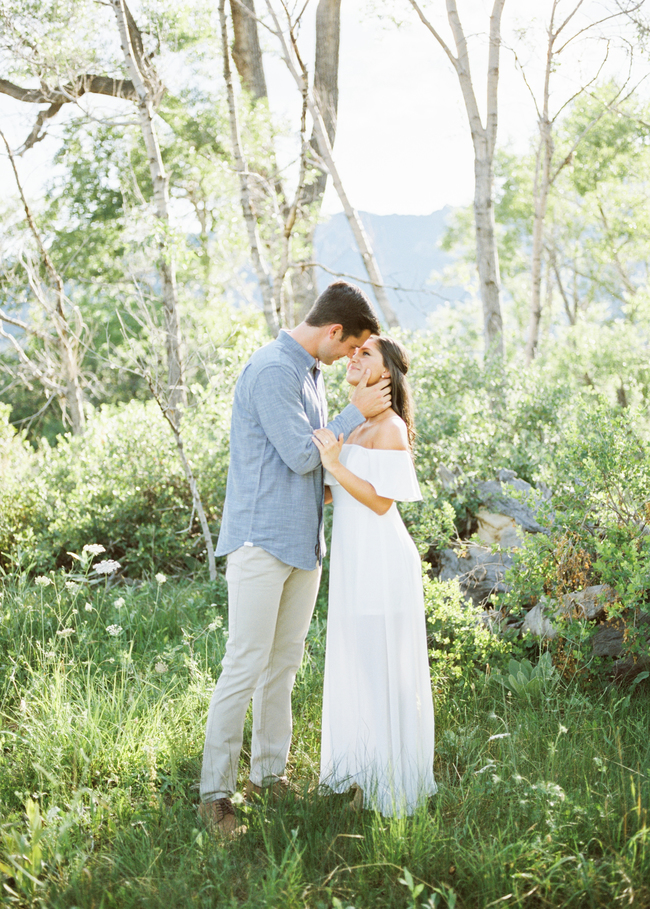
x: 275, y: 791
x: 220, y: 816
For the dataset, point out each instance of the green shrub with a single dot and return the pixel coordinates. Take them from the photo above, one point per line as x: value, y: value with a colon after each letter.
x: 598, y: 526
x: 121, y: 485
x: 460, y: 644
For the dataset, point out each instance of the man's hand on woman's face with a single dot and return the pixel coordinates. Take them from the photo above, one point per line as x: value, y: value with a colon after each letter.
x: 371, y: 400
x: 329, y: 446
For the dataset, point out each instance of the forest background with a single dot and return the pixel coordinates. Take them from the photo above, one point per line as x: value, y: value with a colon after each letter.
x: 165, y: 168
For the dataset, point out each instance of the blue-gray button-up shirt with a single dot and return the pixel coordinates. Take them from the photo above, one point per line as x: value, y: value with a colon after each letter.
x: 274, y: 495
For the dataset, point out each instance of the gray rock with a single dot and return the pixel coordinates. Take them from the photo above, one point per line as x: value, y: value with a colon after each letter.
x: 589, y: 603
x: 626, y: 670
x: 538, y: 621
x: 608, y: 641
x: 480, y: 571
x: 447, y: 477
x: 523, y: 509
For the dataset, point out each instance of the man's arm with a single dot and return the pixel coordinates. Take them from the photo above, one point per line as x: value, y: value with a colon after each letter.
x: 276, y: 399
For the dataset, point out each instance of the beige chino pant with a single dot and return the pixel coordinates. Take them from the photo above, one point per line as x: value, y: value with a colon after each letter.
x: 270, y: 605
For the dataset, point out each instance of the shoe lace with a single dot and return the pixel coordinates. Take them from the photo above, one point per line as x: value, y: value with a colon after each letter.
x: 224, y: 808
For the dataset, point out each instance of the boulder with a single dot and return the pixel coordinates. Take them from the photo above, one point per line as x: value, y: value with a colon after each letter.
x: 608, y: 640
x: 500, y: 529
x: 480, y: 572
x: 538, y: 622
x: 494, y: 496
x: 589, y: 603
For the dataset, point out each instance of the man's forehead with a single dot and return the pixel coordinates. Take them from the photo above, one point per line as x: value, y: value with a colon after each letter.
x: 358, y: 340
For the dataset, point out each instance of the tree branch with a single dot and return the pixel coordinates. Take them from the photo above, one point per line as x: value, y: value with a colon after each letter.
x: 443, y: 44
x: 65, y: 94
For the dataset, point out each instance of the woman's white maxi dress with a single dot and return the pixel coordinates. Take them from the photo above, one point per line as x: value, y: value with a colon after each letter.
x: 377, y: 729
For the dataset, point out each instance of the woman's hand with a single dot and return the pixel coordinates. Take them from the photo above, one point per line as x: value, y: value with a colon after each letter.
x: 328, y: 446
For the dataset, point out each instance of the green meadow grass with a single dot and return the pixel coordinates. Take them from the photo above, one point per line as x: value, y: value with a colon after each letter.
x: 543, y: 800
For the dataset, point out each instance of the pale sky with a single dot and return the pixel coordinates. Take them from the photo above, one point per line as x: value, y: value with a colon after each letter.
x: 403, y: 144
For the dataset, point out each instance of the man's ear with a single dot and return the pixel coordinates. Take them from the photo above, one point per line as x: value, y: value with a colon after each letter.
x: 333, y: 330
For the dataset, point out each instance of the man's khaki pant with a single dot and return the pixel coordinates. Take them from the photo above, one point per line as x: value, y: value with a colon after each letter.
x: 270, y: 605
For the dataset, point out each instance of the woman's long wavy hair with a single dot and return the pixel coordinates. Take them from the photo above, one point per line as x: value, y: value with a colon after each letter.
x: 396, y: 360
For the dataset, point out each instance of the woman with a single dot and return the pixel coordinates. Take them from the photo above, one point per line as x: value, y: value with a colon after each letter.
x: 377, y: 733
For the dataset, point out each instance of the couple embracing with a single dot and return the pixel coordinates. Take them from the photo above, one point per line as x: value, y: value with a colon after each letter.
x: 286, y: 462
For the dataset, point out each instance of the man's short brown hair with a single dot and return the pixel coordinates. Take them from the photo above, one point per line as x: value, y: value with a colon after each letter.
x: 347, y: 305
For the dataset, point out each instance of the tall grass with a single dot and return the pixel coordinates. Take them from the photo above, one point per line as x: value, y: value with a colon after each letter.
x: 543, y: 800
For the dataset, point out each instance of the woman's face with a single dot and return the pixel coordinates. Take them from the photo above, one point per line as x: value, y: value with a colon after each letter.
x: 366, y: 357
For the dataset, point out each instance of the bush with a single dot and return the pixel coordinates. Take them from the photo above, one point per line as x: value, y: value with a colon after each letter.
x: 460, y: 644
x: 121, y: 484
x: 598, y: 523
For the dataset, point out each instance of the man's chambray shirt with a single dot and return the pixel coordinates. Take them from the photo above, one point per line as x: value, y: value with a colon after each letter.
x: 274, y: 495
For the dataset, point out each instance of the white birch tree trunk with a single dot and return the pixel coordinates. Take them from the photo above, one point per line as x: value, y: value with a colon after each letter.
x: 246, y: 50
x: 484, y: 143
x: 265, y: 280
x: 67, y: 383
x: 197, y: 504
x: 146, y: 92
x: 545, y: 173
x: 361, y: 238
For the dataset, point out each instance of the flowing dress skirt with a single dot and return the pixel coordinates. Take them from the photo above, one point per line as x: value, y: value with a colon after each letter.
x: 378, y: 726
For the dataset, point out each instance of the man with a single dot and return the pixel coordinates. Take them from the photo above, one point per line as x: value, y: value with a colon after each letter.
x: 272, y: 533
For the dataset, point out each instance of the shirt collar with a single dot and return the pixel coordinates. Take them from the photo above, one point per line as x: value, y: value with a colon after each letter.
x: 296, y: 351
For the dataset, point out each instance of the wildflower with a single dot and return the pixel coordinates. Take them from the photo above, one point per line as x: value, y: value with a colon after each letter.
x: 114, y: 630
x: 88, y: 607
x: 75, y: 612
x: 65, y: 632
x: 108, y: 566
x: 43, y: 581
x: 213, y: 626
x: 93, y: 548
x: 50, y: 655
x: 72, y: 586
x: 161, y: 578
x: 119, y: 602
x: 161, y: 667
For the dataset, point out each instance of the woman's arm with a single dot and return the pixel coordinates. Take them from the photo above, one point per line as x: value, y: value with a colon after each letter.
x: 328, y: 495
x: 361, y: 490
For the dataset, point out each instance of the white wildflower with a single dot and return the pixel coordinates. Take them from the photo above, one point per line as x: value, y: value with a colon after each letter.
x: 161, y: 578
x: 50, y: 655
x: 65, y: 632
x: 213, y: 626
x: 119, y: 603
x: 161, y: 667
x: 114, y: 630
x: 43, y: 581
x: 88, y: 607
x: 75, y: 612
x: 93, y: 548
x: 108, y: 566
x: 72, y: 586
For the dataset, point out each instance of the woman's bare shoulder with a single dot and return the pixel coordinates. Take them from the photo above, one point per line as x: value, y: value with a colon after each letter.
x: 391, y: 434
